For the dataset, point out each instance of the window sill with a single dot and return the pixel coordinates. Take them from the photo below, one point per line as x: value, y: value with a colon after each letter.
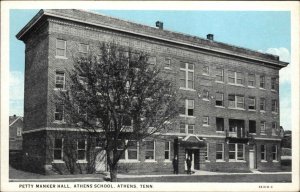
x: 59, y: 122
x: 220, y: 106
x: 58, y: 161
x: 252, y: 133
x: 237, y: 161
x: 186, y: 89
x: 150, y: 161
x: 238, y: 85
x: 167, y: 161
x: 275, y: 161
x: 262, y: 89
x: 273, y: 90
x: 205, y: 99
x: 263, y: 161
x: 263, y: 134
x: 221, y: 161
x: 262, y: 111
x: 207, y: 161
x: 222, y: 82
x: 274, y: 113
x: 220, y: 131
x: 187, y: 116
x: 252, y: 110
x: 205, y: 74
x: 168, y: 68
x: 237, y: 109
x: 205, y: 125
x: 81, y: 161
x: 59, y: 89
x: 60, y: 57
x: 129, y: 161
x: 251, y: 87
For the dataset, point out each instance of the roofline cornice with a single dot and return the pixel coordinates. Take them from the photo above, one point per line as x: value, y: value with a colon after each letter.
x: 42, y: 13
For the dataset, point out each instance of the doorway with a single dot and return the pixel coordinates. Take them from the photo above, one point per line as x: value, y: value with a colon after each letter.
x: 100, y: 161
x: 252, y: 159
x: 194, y: 156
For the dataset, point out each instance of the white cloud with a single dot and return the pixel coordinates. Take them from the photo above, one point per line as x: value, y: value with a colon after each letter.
x: 16, y: 85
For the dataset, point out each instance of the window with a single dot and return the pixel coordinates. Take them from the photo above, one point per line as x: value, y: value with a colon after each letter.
x: 205, y: 70
x: 58, y: 149
x: 262, y: 81
x: 149, y: 153
x: 252, y: 103
x: 235, y: 77
x: 274, y: 83
x: 152, y: 60
x: 19, y: 131
x: 187, y: 75
x: 81, y: 149
x: 132, y: 150
x: 220, y: 151
x: 274, y: 152
x: 206, y: 152
x: 263, y: 156
x: 262, y: 126
x: 274, y: 128
x: 252, y: 126
x: 167, y: 62
x: 83, y: 48
x: 190, y: 129
x: 262, y: 104
x: 220, y: 74
x: 60, y: 80
x: 205, y: 121
x: 167, y: 150
x: 236, y: 151
x: 187, y: 107
x: 251, y: 80
x: 59, y: 112
x: 205, y: 95
x: 186, y: 128
x: 236, y: 101
x: 61, y: 48
x: 220, y: 124
x: 219, y: 99
x: 274, y: 106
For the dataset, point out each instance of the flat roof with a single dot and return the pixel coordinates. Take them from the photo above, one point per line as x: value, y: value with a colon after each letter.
x: 98, y: 20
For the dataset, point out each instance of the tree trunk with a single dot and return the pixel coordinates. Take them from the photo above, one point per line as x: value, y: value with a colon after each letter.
x: 113, y: 173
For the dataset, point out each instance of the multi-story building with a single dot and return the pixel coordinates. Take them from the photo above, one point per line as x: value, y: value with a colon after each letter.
x: 229, y: 118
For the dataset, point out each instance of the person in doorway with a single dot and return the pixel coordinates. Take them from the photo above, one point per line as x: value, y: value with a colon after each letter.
x: 175, y: 165
x: 189, y: 164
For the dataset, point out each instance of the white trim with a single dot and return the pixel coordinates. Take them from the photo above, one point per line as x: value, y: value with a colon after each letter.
x: 58, y: 129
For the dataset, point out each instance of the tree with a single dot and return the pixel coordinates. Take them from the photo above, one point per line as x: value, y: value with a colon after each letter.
x: 119, y: 96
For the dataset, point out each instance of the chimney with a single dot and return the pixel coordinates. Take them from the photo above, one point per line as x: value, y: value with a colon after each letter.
x: 159, y: 24
x: 15, y: 115
x: 210, y: 37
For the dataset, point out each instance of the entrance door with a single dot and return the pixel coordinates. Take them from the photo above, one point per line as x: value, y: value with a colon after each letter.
x: 251, y: 159
x: 100, y: 162
x: 190, y: 153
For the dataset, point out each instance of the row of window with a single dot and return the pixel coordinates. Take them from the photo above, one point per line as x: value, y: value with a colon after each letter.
x: 187, y: 70
x: 236, y: 152
x: 233, y: 126
x: 187, y: 106
x: 236, y: 78
x: 131, y: 153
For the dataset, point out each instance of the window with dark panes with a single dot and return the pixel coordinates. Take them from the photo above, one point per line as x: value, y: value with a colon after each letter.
x: 58, y: 149
x: 220, y: 124
x: 190, y: 107
x: 262, y: 104
x: 274, y: 153
x: 262, y: 126
x: 132, y: 150
x: 274, y: 105
x: 60, y: 80
x: 219, y: 99
x: 262, y: 82
x: 239, y: 78
x: 182, y: 128
x: 263, y: 153
x: 220, y: 151
x: 252, y: 126
x: 231, y: 77
x: 190, y: 129
x: 59, y: 112
x: 252, y: 103
x: 167, y: 150
x: 81, y: 149
x: 149, y: 151
x: 273, y: 83
x: 186, y: 75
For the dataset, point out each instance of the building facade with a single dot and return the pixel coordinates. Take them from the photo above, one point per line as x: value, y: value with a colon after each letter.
x: 15, y: 133
x: 229, y: 118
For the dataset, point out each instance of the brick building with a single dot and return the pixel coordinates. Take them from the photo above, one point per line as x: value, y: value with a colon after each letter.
x: 229, y: 118
x: 15, y: 133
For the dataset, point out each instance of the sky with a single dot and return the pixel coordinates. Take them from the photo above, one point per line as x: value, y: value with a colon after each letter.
x: 264, y: 31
